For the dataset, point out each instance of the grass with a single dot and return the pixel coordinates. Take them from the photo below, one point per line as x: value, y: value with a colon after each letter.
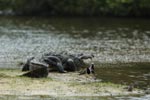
x: 56, y: 84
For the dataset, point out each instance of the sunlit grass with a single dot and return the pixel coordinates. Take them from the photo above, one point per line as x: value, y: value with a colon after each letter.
x: 11, y: 82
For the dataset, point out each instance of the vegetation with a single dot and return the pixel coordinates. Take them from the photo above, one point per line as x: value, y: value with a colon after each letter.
x: 78, y: 7
x: 69, y: 84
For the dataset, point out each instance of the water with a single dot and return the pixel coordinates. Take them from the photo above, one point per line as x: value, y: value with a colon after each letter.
x: 125, y: 75
x: 112, y: 41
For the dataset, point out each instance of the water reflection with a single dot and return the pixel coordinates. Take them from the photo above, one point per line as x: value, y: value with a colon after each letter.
x: 137, y: 75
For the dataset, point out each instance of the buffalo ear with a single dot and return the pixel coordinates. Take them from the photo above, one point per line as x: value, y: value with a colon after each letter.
x: 88, y: 70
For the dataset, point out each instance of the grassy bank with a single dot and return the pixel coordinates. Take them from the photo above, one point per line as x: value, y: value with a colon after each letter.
x: 68, y: 84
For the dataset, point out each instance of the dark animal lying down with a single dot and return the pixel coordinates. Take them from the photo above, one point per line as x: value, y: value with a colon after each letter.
x: 60, y: 62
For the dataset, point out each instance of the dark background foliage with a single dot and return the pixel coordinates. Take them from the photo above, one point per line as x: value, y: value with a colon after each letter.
x: 135, y: 8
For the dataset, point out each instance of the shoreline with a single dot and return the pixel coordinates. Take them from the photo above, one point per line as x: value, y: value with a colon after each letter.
x: 57, y: 84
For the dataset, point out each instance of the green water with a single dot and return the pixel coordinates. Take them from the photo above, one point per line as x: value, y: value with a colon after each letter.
x: 126, y: 74
x: 113, y: 42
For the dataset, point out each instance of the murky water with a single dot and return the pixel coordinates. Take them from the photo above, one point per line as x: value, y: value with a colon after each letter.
x: 110, y: 40
x: 137, y: 75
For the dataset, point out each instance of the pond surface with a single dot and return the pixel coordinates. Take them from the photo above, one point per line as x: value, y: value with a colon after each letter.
x: 135, y: 74
x: 112, y: 41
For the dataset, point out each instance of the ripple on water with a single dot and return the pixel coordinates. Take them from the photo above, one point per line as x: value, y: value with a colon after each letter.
x: 22, y: 38
x: 21, y: 46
